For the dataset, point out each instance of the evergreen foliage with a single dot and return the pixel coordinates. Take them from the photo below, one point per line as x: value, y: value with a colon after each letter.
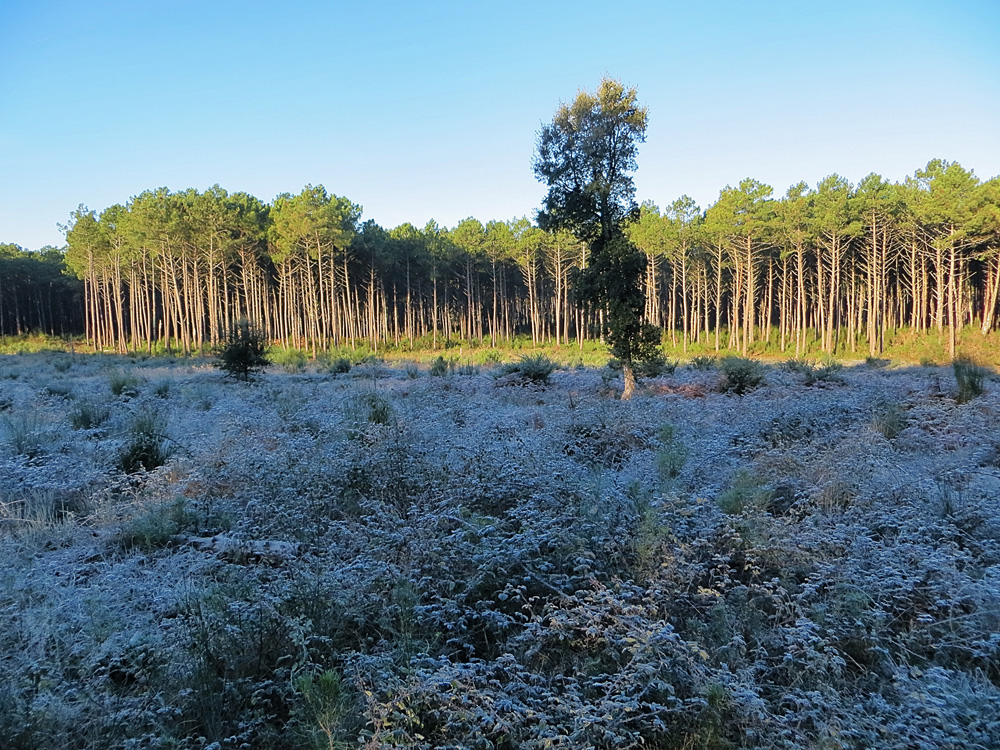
x: 245, y: 351
x: 585, y: 157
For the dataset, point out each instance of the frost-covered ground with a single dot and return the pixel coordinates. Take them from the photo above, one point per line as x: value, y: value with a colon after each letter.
x: 380, y: 560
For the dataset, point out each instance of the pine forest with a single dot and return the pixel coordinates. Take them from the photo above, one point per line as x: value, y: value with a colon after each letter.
x: 826, y: 269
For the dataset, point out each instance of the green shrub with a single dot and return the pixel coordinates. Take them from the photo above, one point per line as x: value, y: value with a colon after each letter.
x: 800, y: 366
x: 467, y: 369
x: 651, y: 367
x: 244, y: 352
x: 368, y: 406
x: 441, y: 366
x: 123, y: 383
x: 888, y: 420
x: 88, y: 415
x: 411, y: 370
x: 162, y: 388
x: 704, y: 362
x: 59, y: 390
x: 969, y: 377
x: 656, y: 366
x: 155, y: 528
x: 746, y: 493
x: 741, y: 375
x: 62, y: 365
x: 828, y: 371
x: 291, y: 360
x: 876, y: 362
x: 327, y: 710
x: 26, y: 434
x: 146, y: 443
x: 672, y: 455
x: 534, y: 367
x: 339, y: 366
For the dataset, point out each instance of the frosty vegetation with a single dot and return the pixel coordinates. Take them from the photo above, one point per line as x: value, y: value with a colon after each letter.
x: 791, y: 556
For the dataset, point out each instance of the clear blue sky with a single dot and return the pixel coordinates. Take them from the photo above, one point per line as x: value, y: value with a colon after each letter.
x: 430, y: 110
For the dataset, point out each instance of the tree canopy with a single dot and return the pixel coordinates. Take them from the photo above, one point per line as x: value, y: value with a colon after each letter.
x: 586, y: 156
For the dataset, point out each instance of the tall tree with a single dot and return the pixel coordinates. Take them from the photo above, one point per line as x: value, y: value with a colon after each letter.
x: 586, y: 157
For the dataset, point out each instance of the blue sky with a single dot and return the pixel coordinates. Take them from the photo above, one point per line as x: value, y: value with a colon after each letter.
x: 430, y: 110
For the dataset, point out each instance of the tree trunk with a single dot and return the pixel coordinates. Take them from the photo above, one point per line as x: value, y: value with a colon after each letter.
x: 628, y: 375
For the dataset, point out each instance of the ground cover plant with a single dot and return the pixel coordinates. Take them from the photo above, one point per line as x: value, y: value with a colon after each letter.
x: 373, y: 557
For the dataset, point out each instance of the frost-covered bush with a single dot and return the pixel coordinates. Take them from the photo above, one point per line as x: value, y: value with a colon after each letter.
x: 888, y: 420
x: 740, y: 375
x: 531, y: 367
x: 434, y: 562
x: 123, y: 383
x: 672, y: 454
x: 704, y: 362
x: 88, y: 414
x: 969, y: 377
x: 27, y: 433
x: 146, y: 443
x: 339, y: 366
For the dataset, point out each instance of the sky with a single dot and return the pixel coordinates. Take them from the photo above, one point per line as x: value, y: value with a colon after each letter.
x: 431, y: 110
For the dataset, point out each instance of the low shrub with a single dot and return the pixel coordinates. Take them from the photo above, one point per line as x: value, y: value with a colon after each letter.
x: 145, y: 445
x: 339, y: 366
x: 123, y: 383
x: 704, y: 362
x: 746, y: 493
x: 888, y: 420
x: 800, y: 366
x: 651, y: 367
x: 740, y: 375
x: 672, y: 455
x: 827, y: 371
x: 368, y: 406
x: 291, y: 361
x: 89, y: 414
x: 26, y: 434
x: 534, y: 367
x: 155, y: 528
x: 969, y: 378
x: 441, y: 366
x: 58, y: 390
x: 835, y: 496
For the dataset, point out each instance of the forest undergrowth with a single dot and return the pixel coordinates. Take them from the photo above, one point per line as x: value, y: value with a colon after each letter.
x: 796, y: 555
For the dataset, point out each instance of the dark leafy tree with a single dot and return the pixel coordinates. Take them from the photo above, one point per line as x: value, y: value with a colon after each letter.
x: 586, y: 157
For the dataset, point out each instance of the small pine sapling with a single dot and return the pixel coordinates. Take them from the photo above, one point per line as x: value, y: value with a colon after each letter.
x: 244, y: 353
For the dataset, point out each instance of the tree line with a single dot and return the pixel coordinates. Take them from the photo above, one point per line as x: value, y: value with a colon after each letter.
x: 36, y: 293
x: 179, y: 268
x: 834, y: 267
x: 847, y: 263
